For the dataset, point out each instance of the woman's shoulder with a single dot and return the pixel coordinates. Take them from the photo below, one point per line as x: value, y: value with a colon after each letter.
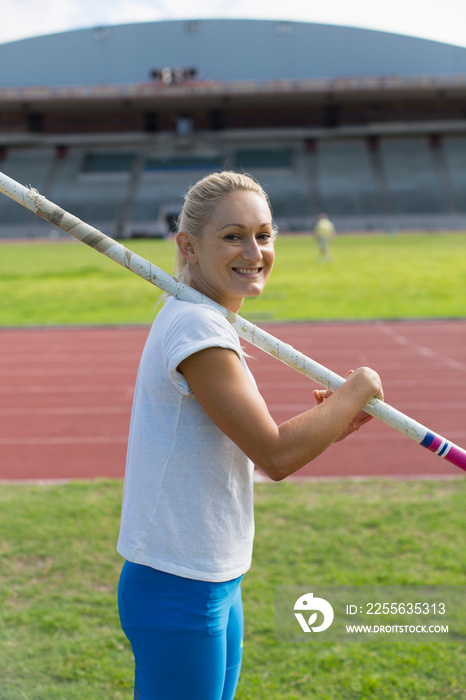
x: 176, y: 309
x: 184, y: 319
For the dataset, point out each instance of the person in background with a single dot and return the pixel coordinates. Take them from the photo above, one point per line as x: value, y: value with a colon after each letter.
x: 324, y: 231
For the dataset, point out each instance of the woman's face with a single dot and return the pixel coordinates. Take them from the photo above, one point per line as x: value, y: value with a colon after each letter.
x: 234, y: 257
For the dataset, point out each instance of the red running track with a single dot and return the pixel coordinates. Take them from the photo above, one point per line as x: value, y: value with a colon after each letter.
x: 65, y: 395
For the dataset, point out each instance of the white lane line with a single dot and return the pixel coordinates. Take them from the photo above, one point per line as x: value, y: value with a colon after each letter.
x: 421, y: 349
x: 70, y: 358
x: 66, y: 388
x: 64, y: 440
x: 65, y: 411
x: 70, y: 371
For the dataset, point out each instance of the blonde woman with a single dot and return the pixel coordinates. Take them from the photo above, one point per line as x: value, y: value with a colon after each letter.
x: 198, y: 427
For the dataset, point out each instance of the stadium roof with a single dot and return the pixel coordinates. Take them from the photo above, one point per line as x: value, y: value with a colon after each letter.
x: 221, y: 50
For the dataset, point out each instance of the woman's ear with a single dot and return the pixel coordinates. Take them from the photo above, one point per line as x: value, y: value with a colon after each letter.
x: 186, y: 246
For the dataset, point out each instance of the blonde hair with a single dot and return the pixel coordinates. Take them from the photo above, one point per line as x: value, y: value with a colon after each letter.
x: 199, y: 205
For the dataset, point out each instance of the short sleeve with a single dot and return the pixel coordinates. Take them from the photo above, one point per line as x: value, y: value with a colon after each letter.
x: 195, y: 328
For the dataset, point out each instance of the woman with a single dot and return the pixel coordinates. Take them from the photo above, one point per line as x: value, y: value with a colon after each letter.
x: 199, y: 425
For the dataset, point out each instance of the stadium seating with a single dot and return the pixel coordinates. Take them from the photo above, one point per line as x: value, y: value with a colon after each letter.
x: 28, y: 167
x: 455, y: 156
x: 95, y: 197
x: 411, y: 181
x: 346, y: 179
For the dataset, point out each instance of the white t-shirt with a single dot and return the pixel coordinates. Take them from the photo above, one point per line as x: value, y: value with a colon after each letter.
x: 188, y: 496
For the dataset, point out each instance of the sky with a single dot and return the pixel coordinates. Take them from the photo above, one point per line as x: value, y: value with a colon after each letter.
x: 441, y: 20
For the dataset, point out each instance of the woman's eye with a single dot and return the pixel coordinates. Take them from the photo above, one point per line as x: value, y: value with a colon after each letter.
x: 236, y: 237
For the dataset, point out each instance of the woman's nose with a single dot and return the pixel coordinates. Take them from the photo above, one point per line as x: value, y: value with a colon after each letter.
x: 251, y: 250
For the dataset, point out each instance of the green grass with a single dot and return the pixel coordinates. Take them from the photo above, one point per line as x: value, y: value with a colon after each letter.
x: 60, y: 637
x: 372, y: 276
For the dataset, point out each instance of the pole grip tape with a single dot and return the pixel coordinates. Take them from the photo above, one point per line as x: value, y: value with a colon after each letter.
x: 441, y: 447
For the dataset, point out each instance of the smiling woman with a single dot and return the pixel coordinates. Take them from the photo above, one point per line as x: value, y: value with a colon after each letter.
x: 234, y: 257
x: 203, y: 207
x: 198, y: 427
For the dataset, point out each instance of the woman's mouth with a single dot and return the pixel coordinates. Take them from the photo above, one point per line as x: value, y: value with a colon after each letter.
x: 247, y: 271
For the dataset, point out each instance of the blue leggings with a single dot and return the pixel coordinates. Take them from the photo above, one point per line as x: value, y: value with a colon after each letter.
x: 186, y: 635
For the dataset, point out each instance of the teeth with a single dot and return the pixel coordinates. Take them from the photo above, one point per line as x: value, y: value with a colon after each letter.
x: 247, y: 271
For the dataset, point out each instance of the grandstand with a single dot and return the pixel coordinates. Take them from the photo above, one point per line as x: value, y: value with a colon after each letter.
x: 114, y: 123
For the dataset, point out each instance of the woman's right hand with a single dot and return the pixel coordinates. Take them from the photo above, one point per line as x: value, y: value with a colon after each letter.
x: 363, y: 375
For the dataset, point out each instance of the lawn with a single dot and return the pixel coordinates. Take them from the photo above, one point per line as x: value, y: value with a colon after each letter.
x: 59, y: 631
x: 371, y: 277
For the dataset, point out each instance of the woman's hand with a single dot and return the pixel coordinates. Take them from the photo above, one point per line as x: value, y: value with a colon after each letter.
x: 358, y: 421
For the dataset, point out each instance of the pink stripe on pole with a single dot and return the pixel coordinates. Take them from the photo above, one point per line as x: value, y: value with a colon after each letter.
x: 435, y: 444
x: 456, y: 456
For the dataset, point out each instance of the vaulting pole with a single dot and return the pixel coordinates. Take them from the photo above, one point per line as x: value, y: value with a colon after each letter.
x: 35, y: 202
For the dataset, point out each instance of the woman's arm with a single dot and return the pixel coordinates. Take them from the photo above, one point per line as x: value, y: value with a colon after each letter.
x: 226, y: 393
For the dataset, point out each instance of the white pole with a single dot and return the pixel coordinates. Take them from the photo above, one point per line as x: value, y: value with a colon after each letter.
x: 35, y: 202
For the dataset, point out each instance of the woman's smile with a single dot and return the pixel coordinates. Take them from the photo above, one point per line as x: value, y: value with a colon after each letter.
x: 247, y: 271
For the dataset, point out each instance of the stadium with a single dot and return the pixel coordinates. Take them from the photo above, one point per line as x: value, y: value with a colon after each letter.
x: 114, y: 123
